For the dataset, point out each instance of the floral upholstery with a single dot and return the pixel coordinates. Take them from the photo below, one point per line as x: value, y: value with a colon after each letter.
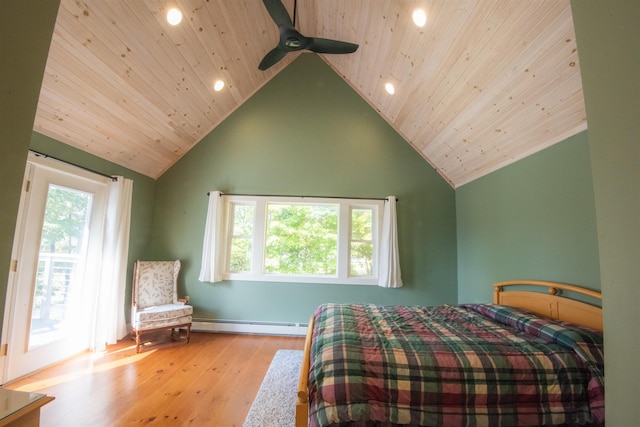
x: 157, y: 283
x: 162, y: 315
x: 155, y: 299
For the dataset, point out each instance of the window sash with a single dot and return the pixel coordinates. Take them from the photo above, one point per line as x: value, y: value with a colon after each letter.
x: 239, y: 237
x: 345, y: 208
x: 367, y: 240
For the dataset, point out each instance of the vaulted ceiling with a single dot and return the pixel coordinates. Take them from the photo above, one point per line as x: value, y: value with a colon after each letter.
x: 483, y: 84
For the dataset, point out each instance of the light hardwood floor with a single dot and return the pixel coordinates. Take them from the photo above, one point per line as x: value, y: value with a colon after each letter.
x: 211, y: 381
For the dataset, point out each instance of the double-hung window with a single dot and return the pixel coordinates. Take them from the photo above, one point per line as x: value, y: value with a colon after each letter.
x: 298, y: 239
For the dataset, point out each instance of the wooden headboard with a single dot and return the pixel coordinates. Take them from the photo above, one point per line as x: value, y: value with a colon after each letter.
x: 551, y: 304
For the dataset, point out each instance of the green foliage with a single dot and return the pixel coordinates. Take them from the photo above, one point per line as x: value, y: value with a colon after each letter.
x: 65, y: 220
x: 241, y: 241
x: 302, y: 239
x: 361, y: 242
x: 240, y: 254
x: 243, y: 216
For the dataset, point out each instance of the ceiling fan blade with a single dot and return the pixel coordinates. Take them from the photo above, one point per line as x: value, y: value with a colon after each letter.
x: 330, y: 46
x: 291, y: 40
x: 275, y: 55
x: 278, y: 13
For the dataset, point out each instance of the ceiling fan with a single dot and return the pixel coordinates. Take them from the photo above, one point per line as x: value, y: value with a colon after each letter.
x: 291, y: 40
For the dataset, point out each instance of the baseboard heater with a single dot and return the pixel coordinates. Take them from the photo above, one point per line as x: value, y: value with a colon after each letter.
x: 249, y: 327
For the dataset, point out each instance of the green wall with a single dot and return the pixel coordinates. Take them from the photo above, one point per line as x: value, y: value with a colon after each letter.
x: 534, y: 219
x: 141, y: 204
x: 608, y: 35
x: 25, y: 34
x: 306, y: 132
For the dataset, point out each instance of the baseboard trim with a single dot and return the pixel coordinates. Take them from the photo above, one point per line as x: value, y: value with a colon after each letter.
x: 249, y: 327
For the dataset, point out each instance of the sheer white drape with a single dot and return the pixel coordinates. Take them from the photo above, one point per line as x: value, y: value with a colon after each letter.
x: 109, y: 321
x: 212, y: 268
x: 389, y: 275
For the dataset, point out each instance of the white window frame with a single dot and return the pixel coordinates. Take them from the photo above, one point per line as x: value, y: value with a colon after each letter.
x: 344, y: 238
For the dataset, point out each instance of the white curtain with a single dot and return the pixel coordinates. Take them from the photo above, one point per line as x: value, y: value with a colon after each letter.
x: 110, y: 323
x: 211, y: 269
x: 389, y: 260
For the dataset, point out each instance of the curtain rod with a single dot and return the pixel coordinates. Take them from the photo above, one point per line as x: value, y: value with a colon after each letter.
x: 46, y: 156
x: 308, y: 197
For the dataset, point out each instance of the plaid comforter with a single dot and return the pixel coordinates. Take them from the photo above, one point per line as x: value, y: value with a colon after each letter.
x: 469, y: 365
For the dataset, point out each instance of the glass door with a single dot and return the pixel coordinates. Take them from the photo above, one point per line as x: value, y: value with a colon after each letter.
x: 61, y: 259
x: 57, y: 247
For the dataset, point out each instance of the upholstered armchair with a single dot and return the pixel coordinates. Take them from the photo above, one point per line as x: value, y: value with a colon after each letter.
x: 155, y: 304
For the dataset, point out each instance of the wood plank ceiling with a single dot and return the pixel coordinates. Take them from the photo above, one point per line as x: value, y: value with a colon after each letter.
x: 483, y: 84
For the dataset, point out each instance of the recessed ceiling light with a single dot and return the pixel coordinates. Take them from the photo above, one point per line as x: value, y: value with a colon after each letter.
x: 419, y: 17
x: 390, y: 88
x: 218, y: 85
x: 174, y: 16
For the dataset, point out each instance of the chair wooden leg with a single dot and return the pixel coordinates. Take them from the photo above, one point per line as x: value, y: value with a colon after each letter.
x: 175, y: 333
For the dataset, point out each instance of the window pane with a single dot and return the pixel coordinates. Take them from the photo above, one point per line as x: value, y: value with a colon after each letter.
x: 63, y: 246
x: 301, y: 239
x: 242, y: 238
x: 240, y: 254
x: 361, y: 224
x: 243, y: 220
x: 65, y: 220
x: 361, y: 260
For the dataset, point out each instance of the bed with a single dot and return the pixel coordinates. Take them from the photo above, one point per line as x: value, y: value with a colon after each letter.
x: 531, y: 358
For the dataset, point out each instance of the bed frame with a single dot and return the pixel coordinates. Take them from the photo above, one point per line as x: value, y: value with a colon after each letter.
x: 552, y: 305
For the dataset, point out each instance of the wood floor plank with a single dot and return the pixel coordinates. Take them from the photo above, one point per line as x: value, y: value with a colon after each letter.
x: 211, y: 381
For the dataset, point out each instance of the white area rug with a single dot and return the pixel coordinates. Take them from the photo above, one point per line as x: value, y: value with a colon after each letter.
x: 275, y: 403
